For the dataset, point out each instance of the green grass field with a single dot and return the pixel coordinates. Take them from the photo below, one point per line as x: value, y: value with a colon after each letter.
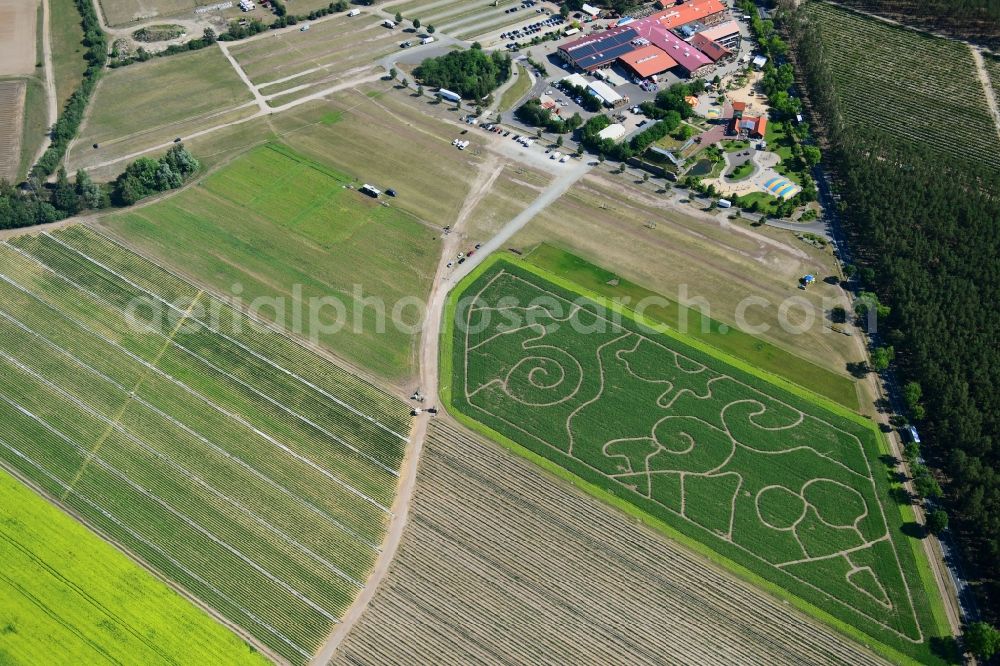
x: 283, y: 226
x: 64, y: 591
x: 67, y: 48
x: 238, y: 464
x: 517, y: 90
x: 909, y: 85
x: 777, y: 481
x: 153, y: 98
x: 729, y: 339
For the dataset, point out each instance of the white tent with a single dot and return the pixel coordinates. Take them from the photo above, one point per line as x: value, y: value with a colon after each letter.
x: 614, y: 132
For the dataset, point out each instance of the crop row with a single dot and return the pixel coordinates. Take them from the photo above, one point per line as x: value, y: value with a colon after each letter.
x: 350, y: 436
x: 257, y: 336
x: 261, y: 491
x: 504, y: 565
x: 917, y: 87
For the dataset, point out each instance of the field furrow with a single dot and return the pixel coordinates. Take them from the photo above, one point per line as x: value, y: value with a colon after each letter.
x: 261, y: 492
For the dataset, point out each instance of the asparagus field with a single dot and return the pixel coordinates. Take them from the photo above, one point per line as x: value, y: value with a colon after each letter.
x: 502, y: 564
x: 912, y: 86
x: 776, y: 482
x: 235, y: 462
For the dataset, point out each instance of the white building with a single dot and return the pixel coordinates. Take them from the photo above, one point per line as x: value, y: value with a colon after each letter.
x: 606, y: 93
x: 614, y: 132
x: 590, y: 11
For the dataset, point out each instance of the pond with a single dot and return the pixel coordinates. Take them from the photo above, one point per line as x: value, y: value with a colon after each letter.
x: 701, y: 168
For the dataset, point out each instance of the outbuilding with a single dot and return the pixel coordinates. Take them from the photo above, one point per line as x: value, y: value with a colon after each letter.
x: 614, y: 131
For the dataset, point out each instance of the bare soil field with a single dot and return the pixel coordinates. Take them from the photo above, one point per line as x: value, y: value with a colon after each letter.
x: 502, y: 563
x: 604, y: 219
x: 18, y: 20
x: 11, y: 123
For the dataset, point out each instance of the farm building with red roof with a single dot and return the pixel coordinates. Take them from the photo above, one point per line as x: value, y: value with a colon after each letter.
x: 648, y: 61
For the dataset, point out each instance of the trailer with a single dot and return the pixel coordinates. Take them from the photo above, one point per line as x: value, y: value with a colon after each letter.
x: 354, y: 12
x: 426, y: 40
x: 389, y: 24
x: 449, y: 95
x: 370, y: 190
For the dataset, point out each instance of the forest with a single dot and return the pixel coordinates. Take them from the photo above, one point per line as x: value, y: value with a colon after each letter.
x: 471, y: 73
x: 924, y: 233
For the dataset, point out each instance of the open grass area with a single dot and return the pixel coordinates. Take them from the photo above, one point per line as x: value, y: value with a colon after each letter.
x: 64, y: 591
x: 121, y: 12
x: 908, y: 85
x: 777, y: 482
x: 706, y: 261
x: 517, y: 90
x: 283, y: 226
x: 740, y: 171
x: 152, y: 102
x: 240, y: 465
x: 332, y: 46
x: 761, y: 354
x: 68, y: 50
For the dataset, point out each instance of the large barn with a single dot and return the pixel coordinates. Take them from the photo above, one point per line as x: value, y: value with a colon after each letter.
x: 649, y: 46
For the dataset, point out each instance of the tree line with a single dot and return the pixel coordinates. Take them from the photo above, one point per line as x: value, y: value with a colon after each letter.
x: 69, y: 120
x: 141, y: 178
x: 924, y: 227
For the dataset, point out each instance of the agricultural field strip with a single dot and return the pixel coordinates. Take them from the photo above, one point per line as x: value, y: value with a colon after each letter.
x: 282, y: 335
x: 473, y: 498
x: 573, y: 308
x: 304, y: 459
x: 216, y: 448
x: 150, y: 367
x: 138, y: 537
x: 256, y: 355
x: 163, y: 457
x: 103, y: 463
x: 846, y: 38
x: 115, y: 472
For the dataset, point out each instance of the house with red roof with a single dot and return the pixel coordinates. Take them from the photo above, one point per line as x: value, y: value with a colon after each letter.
x: 754, y: 127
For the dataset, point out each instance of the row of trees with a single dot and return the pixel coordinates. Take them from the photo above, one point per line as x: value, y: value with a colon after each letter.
x: 925, y: 229
x: 532, y: 113
x: 471, y: 73
x: 141, y: 178
x: 69, y: 121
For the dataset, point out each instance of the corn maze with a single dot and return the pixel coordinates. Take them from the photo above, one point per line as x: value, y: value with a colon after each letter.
x: 768, y: 479
x: 238, y: 464
x: 909, y: 85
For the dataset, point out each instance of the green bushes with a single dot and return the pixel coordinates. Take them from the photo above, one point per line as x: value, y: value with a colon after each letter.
x: 69, y: 121
x: 471, y: 73
x: 147, y: 176
x: 532, y: 113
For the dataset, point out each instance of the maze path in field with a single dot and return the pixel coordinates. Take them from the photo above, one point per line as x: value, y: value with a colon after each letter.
x: 785, y: 486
